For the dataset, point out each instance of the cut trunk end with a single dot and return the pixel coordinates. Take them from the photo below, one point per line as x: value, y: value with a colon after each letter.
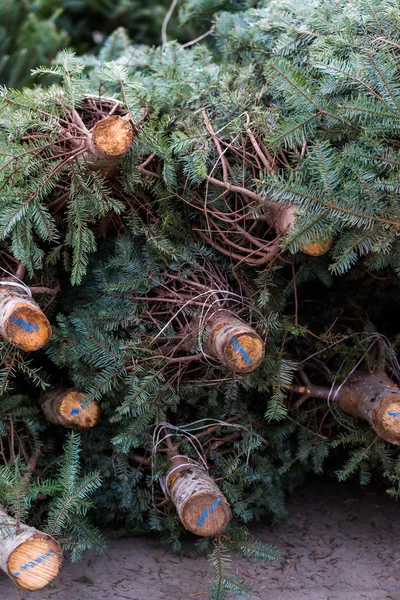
x: 22, y: 322
x: 69, y: 409
x: 234, y: 343
x: 201, y: 506
x: 31, y: 558
x: 387, y: 424
x: 35, y: 562
x: 109, y: 141
x: 317, y: 247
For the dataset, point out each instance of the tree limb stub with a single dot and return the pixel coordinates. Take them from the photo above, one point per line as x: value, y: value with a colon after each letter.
x: 108, y: 141
x: 22, y: 322
x: 32, y: 559
x: 67, y: 407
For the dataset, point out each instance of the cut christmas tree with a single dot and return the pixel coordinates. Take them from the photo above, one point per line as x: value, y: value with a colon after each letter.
x: 200, y: 270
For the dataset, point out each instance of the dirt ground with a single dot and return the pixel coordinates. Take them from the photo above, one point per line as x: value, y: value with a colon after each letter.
x: 339, y: 543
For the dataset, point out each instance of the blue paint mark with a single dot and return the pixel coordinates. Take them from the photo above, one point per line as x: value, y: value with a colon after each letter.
x: 207, y: 512
x: 34, y: 563
x: 30, y: 327
x: 240, y: 350
x: 76, y: 411
x: 393, y: 414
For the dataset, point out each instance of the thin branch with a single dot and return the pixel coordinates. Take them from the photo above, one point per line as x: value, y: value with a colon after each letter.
x: 167, y: 17
x: 198, y: 39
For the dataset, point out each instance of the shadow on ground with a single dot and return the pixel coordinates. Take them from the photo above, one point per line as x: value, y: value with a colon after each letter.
x: 339, y: 543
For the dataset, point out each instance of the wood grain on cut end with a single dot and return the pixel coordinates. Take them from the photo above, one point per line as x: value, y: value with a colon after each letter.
x: 234, y: 343
x: 243, y: 352
x: 317, y: 247
x: 205, y: 514
x: 388, y: 420
x: 27, y: 327
x: 201, y: 506
x: 35, y: 562
x: 113, y: 135
x: 76, y: 413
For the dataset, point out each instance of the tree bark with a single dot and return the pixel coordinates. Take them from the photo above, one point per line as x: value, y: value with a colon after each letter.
x: 67, y: 408
x: 22, y: 322
x: 376, y: 399
x: 32, y: 559
x: 372, y: 397
x: 201, y: 506
x: 234, y: 343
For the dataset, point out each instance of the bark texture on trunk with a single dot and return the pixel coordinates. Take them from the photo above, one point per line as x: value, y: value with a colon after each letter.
x: 108, y: 141
x: 234, y: 343
x: 68, y: 408
x: 31, y: 558
x: 201, y: 506
x: 376, y: 399
x: 22, y: 322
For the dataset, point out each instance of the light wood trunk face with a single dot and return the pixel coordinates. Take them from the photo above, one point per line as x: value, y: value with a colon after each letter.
x: 317, y: 247
x: 22, y: 322
x: 31, y: 558
x: 201, y: 506
x: 234, y: 343
x: 388, y: 419
x: 35, y: 563
x: 108, y: 142
x: 69, y: 409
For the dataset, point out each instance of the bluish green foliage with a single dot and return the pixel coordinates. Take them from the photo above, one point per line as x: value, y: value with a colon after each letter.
x: 56, y: 503
x: 29, y: 37
x: 32, y: 32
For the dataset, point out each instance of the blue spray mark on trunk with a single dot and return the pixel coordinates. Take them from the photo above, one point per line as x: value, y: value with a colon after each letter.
x: 207, y: 512
x: 240, y: 350
x: 393, y: 414
x: 34, y: 563
x: 76, y: 411
x: 28, y: 326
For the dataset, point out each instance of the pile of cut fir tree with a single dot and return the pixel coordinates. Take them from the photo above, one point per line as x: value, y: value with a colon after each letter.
x: 198, y: 303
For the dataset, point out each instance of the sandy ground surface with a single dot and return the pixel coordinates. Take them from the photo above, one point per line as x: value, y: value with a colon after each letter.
x: 339, y: 543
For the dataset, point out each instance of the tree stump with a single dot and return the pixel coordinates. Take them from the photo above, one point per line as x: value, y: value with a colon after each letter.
x: 107, y: 143
x: 376, y: 399
x: 31, y: 558
x: 234, y: 343
x: 201, y: 506
x: 67, y: 408
x: 22, y: 321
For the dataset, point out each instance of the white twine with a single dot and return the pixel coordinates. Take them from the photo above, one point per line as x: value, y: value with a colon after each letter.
x: 103, y: 98
x: 225, y: 295
x: 333, y: 393
x: 19, y: 284
x: 185, y: 431
x: 164, y: 482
